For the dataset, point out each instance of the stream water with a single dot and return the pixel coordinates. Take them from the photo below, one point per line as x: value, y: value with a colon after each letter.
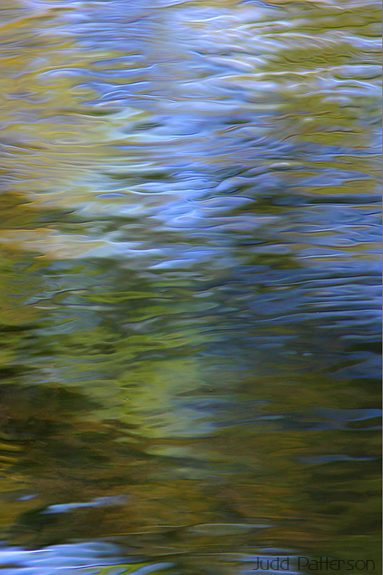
x: 190, y: 280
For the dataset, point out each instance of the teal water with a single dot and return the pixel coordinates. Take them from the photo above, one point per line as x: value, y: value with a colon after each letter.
x: 190, y: 280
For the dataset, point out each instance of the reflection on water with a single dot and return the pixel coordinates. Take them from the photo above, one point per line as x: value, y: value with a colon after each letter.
x: 190, y: 284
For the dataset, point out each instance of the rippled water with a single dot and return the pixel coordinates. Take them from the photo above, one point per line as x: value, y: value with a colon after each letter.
x: 190, y: 284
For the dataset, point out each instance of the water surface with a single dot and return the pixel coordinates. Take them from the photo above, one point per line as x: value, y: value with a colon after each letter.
x: 190, y: 309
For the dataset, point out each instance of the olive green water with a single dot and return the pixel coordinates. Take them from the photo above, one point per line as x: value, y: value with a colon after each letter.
x: 189, y: 317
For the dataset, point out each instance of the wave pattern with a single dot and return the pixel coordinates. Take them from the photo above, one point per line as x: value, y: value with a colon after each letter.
x: 190, y: 284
